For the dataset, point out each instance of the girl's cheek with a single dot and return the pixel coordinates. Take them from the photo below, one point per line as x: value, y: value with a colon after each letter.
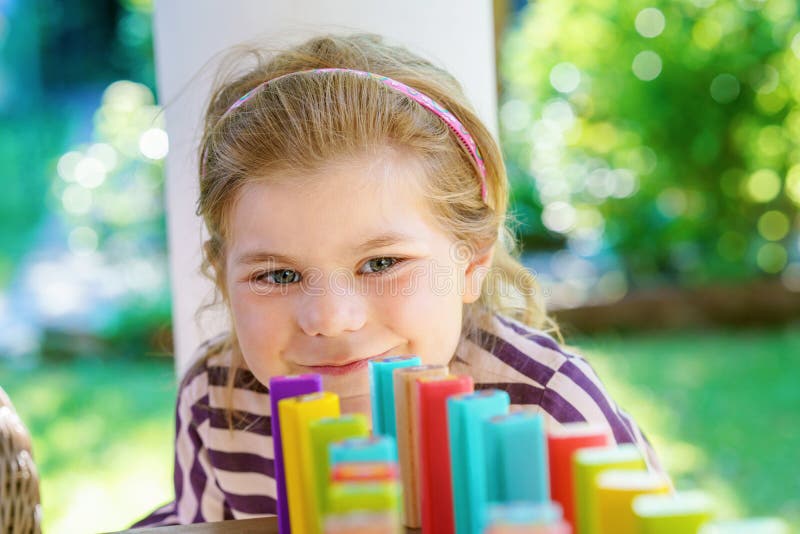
x: 408, y: 283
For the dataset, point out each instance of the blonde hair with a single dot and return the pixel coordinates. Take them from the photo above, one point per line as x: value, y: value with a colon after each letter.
x: 302, y: 123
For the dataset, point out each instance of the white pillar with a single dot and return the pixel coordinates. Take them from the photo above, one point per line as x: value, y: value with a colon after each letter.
x: 456, y: 34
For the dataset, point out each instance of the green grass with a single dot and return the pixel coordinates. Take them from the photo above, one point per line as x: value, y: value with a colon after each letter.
x: 721, y: 408
x: 102, y: 438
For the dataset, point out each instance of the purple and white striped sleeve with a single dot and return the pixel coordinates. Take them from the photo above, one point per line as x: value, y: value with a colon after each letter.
x: 577, y: 384
x: 563, y: 384
x: 197, y: 496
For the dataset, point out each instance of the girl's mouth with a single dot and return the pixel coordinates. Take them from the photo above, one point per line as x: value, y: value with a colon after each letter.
x: 351, y: 367
x: 340, y: 369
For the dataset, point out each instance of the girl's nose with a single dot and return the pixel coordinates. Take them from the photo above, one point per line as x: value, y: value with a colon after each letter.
x: 331, y: 310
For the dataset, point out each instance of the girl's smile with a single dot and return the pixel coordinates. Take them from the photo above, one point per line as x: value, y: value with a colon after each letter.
x: 350, y: 365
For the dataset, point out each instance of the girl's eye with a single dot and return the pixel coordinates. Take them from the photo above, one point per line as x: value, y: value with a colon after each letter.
x: 279, y: 277
x: 383, y: 263
x: 288, y: 276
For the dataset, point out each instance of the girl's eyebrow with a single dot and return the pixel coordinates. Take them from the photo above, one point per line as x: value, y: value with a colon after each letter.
x: 381, y: 240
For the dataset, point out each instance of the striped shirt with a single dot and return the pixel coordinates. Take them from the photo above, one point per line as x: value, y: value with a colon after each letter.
x: 221, y: 474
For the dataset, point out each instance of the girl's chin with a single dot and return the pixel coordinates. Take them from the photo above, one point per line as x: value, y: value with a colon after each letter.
x: 347, y: 385
x: 352, y: 389
x: 357, y: 404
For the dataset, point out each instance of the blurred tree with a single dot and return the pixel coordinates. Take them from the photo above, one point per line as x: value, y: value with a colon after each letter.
x: 82, y: 230
x: 110, y: 193
x: 663, y: 133
x: 56, y: 58
x: 88, y: 42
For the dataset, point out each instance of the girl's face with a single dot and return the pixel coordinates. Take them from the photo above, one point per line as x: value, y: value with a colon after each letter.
x: 323, y: 277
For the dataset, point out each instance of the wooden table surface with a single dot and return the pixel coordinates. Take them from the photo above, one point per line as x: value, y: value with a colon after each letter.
x: 259, y: 525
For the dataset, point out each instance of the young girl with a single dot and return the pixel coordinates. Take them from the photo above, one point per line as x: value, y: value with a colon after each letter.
x: 356, y: 207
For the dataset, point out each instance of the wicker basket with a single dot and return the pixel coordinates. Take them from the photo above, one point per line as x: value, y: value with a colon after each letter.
x: 20, y: 511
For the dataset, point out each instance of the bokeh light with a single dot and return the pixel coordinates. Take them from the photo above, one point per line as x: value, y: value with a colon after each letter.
x: 793, y: 184
x: 55, y: 294
x: 515, y: 115
x: 773, y: 225
x: 90, y: 172
x: 772, y: 102
x: 601, y: 183
x: 724, y: 88
x: 77, y: 200
x: 650, y: 22
x: 626, y: 183
x: 560, y: 112
x: 771, y: 143
x: 763, y: 185
x: 612, y: 286
x: 795, y: 46
x: 772, y: 257
x: 765, y: 79
x: 672, y: 202
x: 706, y: 33
x: 128, y: 110
x: 105, y: 154
x: 647, y: 65
x: 126, y: 96
x: 559, y: 217
x: 67, y: 164
x: 154, y: 143
x: 565, y: 77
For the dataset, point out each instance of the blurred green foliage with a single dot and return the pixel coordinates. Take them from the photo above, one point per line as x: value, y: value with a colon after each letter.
x: 84, y: 42
x: 27, y: 146
x: 51, y: 52
x: 110, y: 198
x: 662, y: 132
x: 82, y: 229
x: 102, y: 432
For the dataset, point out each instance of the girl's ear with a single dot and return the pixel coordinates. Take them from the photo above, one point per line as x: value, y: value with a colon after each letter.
x: 476, y: 272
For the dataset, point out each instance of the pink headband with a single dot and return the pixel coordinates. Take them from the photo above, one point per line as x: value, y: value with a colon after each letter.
x: 452, y: 122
